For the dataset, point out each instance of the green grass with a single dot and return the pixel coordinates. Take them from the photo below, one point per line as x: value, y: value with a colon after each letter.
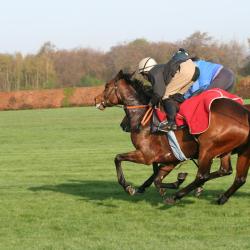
x: 58, y: 190
x: 246, y: 101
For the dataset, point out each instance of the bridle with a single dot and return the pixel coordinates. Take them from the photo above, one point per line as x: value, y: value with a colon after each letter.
x: 106, y: 96
x: 146, y: 116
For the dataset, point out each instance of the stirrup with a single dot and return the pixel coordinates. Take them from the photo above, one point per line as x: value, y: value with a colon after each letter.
x: 166, y: 126
x: 173, y: 127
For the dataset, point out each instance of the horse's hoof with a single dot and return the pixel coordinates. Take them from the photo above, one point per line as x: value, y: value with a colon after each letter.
x: 182, y: 176
x: 170, y: 201
x: 130, y: 190
x: 222, y: 200
x: 198, y: 192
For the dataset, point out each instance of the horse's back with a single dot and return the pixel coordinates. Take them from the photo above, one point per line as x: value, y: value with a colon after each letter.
x: 228, y: 127
x: 230, y: 111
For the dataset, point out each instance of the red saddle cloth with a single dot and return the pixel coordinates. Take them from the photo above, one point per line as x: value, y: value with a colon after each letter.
x: 195, y: 112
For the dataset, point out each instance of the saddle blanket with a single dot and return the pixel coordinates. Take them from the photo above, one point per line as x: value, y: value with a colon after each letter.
x: 195, y: 111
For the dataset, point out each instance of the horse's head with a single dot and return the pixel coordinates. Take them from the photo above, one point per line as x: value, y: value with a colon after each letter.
x: 114, y: 92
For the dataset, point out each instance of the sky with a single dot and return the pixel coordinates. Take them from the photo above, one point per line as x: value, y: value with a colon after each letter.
x: 25, y: 25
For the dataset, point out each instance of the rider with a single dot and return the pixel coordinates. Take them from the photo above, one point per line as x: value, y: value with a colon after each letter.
x: 180, y: 78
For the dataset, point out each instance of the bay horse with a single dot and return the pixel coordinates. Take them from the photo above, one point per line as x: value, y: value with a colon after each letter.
x: 228, y: 132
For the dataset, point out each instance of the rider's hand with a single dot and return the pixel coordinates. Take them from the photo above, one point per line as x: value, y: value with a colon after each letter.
x: 178, y: 97
x: 155, y: 99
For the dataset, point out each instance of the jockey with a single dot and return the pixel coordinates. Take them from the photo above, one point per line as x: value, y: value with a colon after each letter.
x: 211, y: 76
x: 181, y: 78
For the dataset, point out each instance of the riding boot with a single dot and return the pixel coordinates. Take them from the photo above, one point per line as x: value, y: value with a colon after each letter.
x: 170, y: 108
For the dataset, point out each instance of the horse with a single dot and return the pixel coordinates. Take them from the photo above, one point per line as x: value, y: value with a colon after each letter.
x: 228, y: 132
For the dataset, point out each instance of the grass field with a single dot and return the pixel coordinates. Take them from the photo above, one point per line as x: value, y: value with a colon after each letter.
x: 58, y: 190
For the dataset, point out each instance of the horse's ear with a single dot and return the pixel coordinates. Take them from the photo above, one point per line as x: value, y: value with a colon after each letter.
x: 119, y: 75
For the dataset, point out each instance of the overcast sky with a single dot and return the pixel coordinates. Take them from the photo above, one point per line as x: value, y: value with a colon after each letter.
x: 26, y: 24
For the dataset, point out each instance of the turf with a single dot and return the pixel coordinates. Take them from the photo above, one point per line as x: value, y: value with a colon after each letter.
x: 58, y: 190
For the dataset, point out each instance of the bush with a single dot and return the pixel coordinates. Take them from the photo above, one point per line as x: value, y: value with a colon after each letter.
x: 68, y: 92
x: 89, y: 80
x: 243, y: 87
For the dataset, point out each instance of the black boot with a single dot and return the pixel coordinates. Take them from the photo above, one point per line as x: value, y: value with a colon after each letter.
x: 171, y: 110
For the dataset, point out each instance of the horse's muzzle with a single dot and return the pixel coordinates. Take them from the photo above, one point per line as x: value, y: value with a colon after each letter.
x: 100, y: 106
x: 99, y: 102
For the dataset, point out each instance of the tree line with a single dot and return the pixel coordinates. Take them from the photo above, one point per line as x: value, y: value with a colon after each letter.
x: 54, y: 68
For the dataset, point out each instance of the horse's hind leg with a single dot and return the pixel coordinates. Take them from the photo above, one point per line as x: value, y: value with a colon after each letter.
x: 204, y: 162
x: 162, y: 173
x: 242, y: 167
x: 149, y: 181
x: 225, y: 168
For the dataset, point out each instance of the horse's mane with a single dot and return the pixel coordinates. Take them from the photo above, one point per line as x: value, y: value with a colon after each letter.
x: 144, y: 92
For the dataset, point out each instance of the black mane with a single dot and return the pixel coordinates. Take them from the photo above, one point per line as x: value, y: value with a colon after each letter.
x: 144, y: 92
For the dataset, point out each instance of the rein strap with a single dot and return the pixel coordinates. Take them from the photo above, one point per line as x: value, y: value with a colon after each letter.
x: 137, y: 107
x: 147, y: 116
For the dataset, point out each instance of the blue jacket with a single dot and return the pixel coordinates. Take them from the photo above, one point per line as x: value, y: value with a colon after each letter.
x: 208, y: 71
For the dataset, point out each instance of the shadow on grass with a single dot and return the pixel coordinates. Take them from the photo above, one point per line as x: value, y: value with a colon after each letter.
x: 101, y: 191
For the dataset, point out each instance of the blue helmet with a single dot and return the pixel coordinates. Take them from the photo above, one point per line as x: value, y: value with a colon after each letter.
x: 180, y: 55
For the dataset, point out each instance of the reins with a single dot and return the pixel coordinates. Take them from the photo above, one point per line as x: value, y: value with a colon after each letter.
x: 136, y: 107
x: 147, y: 116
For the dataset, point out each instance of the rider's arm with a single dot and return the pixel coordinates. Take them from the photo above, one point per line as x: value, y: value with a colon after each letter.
x: 158, y: 84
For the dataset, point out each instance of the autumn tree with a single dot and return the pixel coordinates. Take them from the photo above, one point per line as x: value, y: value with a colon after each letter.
x: 52, y: 68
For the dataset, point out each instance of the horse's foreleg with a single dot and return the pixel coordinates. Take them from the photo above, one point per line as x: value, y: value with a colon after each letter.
x: 134, y: 156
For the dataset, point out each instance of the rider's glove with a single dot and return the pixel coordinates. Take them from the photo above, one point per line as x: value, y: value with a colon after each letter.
x: 155, y: 99
x: 178, y: 97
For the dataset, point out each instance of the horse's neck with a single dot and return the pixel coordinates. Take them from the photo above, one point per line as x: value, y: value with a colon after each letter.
x: 130, y: 97
x: 131, y: 101
x: 134, y: 116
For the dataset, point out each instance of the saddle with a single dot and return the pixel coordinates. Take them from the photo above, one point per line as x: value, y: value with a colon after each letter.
x: 194, y: 112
